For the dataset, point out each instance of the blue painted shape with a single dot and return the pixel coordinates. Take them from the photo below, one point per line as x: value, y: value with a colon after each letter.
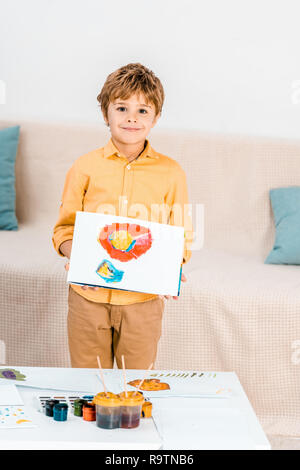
x: 114, y: 274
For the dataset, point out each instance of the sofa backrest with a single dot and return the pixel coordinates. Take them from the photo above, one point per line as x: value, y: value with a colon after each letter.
x: 231, y: 175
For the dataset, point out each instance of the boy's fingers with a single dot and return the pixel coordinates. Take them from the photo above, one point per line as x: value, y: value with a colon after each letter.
x: 67, y: 265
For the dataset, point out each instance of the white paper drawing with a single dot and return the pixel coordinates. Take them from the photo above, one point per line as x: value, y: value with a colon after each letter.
x: 125, y: 253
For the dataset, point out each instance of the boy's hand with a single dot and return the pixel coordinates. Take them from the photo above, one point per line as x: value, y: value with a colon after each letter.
x: 66, y: 248
x: 67, y: 265
x: 175, y: 297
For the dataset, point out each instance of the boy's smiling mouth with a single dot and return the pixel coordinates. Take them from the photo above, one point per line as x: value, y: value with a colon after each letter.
x: 131, y: 128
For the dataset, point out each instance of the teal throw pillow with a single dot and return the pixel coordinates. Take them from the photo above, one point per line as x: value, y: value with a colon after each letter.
x: 9, y: 138
x: 286, y: 209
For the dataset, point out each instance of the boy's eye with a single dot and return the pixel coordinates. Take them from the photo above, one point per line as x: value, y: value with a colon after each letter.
x: 123, y: 107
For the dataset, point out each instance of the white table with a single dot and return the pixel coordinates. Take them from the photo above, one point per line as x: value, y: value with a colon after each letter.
x: 179, y: 423
x: 211, y: 424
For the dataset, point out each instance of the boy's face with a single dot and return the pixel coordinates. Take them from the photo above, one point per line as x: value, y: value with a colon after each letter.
x: 131, y: 120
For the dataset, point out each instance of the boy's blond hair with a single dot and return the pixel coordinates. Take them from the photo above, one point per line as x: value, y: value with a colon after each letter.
x: 128, y: 80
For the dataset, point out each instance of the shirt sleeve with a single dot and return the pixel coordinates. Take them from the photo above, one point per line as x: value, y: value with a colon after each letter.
x: 75, y: 187
x: 180, y: 212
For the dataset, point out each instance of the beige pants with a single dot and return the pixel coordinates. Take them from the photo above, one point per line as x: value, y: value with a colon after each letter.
x: 106, y: 330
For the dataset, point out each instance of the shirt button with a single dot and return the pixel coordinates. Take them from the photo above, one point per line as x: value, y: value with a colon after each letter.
x: 128, y: 167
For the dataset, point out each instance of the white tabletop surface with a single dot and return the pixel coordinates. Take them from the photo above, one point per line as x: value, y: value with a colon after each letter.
x: 177, y: 423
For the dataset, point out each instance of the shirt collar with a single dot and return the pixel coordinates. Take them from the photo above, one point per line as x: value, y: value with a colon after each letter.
x: 110, y: 149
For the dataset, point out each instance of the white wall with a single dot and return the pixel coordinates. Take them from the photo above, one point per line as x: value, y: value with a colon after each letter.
x: 226, y: 65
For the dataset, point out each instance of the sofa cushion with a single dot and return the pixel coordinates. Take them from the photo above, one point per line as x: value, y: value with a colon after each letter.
x: 286, y: 209
x: 33, y: 298
x: 9, y: 138
x: 30, y: 246
x: 242, y: 274
x: 238, y: 314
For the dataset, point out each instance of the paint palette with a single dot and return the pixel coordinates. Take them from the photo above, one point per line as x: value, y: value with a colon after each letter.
x: 179, y: 383
x: 68, y: 399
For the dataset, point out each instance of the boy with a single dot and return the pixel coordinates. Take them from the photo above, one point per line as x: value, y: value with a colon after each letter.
x: 126, y: 177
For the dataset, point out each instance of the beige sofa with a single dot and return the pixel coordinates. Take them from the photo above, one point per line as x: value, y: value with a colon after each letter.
x: 234, y: 313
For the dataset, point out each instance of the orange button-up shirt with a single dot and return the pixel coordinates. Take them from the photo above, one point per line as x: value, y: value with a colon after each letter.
x: 151, y: 187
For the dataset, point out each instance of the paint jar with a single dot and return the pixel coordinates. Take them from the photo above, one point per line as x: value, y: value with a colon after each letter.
x: 89, y: 412
x: 60, y: 411
x: 146, y: 409
x: 78, y: 404
x: 108, y: 410
x: 131, y: 409
x: 49, y: 407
